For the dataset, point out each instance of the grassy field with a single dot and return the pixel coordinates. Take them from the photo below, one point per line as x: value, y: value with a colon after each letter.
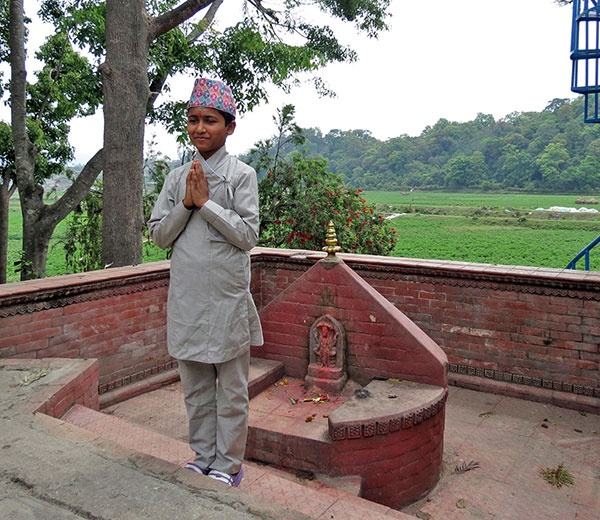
x: 490, y: 228
x: 471, y: 200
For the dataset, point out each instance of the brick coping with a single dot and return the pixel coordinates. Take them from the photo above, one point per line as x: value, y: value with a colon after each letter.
x: 20, y: 298
x: 550, y: 273
x: 59, y: 291
x: 68, y: 282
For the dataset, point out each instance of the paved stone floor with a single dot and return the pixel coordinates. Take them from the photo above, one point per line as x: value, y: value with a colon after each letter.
x: 511, y: 439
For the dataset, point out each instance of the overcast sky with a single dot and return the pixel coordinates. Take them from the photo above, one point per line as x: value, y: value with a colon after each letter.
x: 439, y: 59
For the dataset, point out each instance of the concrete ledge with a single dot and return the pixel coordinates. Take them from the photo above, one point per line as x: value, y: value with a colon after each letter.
x: 79, y: 477
x: 49, y: 386
x: 389, y: 407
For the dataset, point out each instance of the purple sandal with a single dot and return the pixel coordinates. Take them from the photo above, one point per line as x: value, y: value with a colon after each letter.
x: 195, y: 467
x: 226, y: 478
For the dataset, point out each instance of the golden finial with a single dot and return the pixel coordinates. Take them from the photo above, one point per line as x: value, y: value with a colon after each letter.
x: 332, y: 248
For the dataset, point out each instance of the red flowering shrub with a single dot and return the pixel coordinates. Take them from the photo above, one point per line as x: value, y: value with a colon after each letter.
x: 298, y: 197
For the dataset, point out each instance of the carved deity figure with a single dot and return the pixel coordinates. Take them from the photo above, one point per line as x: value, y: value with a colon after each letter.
x: 325, y: 343
x: 327, y: 351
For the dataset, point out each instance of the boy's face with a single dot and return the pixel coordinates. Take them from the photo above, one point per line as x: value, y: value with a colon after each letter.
x: 207, y: 130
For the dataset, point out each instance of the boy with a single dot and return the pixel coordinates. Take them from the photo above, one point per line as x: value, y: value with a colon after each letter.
x: 207, y: 212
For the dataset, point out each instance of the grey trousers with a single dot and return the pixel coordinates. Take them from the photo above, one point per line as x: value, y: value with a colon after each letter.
x: 216, y: 399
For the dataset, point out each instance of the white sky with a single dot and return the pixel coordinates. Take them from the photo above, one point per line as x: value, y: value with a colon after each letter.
x: 440, y: 59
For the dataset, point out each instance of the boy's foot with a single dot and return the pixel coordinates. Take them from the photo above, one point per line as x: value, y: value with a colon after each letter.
x: 226, y: 478
x: 198, y: 469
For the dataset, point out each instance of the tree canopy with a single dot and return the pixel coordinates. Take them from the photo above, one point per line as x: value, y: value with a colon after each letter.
x: 551, y: 150
x: 122, y: 55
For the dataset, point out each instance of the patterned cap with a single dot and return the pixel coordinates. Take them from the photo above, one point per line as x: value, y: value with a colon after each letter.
x: 214, y: 94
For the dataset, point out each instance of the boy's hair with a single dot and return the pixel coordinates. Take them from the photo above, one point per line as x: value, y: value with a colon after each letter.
x: 228, y: 117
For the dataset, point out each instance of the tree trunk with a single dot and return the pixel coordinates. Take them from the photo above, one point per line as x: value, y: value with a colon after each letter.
x: 39, y: 220
x: 126, y: 92
x: 37, y: 232
x: 30, y: 193
x: 6, y: 191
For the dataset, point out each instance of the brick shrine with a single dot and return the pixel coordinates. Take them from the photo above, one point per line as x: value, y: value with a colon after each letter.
x: 395, y: 445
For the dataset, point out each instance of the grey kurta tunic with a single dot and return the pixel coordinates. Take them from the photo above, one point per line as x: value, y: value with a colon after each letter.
x: 211, y: 316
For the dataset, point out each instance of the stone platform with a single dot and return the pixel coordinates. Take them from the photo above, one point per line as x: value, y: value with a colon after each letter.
x: 79, y: 472
x: 512, y: 439
x: 100, y: 465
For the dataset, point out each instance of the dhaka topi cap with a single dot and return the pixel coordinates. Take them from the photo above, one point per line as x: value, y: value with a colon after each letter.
x: 214, y: 94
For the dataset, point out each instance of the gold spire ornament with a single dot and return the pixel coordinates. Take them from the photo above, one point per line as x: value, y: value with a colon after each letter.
x: 331, y: 248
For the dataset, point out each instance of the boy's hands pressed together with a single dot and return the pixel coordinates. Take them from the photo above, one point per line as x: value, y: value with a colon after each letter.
x: 196, y: 187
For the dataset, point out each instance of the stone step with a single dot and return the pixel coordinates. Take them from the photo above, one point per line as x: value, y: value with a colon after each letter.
x: 263, y: 374
x: 129, y: 435
x: 350, y: 484
x: 326, y: 502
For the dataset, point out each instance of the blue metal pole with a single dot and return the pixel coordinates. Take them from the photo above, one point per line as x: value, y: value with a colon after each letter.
x: 587, y: 47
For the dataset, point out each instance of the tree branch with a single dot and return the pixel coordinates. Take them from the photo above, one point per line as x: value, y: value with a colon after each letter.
x: 171, y: 19
x: 199, y: 29
x: 269, y: 14
x: 78, y: 190
x: 205, y: 23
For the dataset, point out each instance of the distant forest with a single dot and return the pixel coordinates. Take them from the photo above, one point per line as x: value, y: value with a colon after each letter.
x: 552, y: 150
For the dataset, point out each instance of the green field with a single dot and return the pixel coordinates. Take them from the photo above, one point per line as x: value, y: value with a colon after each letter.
x: 491, y: 228
x: 501, y: 201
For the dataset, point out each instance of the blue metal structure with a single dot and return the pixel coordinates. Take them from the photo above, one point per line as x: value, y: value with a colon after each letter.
x: 585, y: 53
x: 584, y: 252
x: 585, y: 78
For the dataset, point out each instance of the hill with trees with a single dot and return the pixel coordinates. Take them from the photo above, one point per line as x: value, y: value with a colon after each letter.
x: 551, y: 150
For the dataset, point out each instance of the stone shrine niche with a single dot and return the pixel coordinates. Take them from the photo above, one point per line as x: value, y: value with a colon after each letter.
x: 327, y: 355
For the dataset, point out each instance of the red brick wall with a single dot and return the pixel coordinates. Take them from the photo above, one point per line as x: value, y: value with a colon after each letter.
x: 509, y: 329
x: 117, y: 316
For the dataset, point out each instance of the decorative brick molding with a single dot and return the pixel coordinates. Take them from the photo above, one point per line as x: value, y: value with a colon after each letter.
x: 56, y: 297
x: 520, y: 379
x: 138, y: 376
